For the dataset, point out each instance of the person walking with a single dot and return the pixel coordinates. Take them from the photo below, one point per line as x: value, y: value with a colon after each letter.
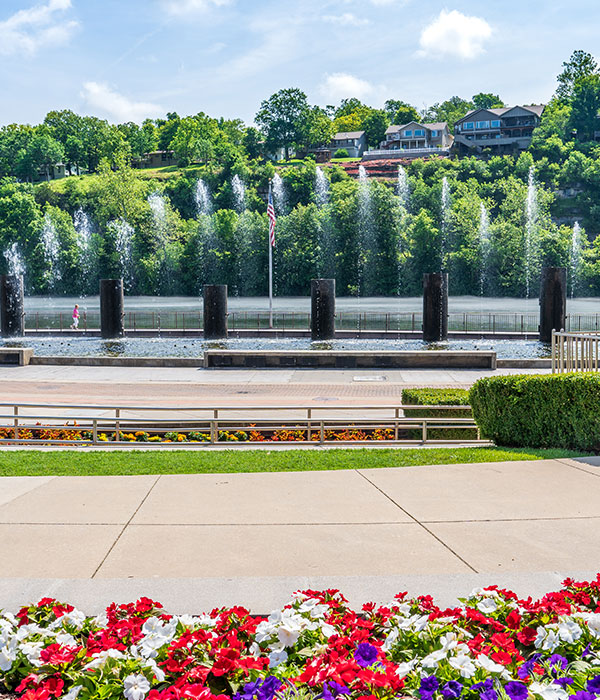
x: 75, y: 323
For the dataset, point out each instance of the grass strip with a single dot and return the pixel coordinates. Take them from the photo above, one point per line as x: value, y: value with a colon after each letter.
x: 159, y: 461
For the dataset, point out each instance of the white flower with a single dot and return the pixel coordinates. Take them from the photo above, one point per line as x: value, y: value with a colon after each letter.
x: 390, y: 639
x: 487, y: 606
x: 7, y: 655
x: 569, y: 631
x: 73, y: 693
x: 32, y: 651
x: 405, y: 668
x: 463, y: 664
x: 288, y: 634
x: 65, y: 639
x: 449, y: 641
x: 327, y: 630
x: 159, y: 674
x: 277, y: 657
x: 433, y: 659
x: 487, y: 664
x: 135, y: 687
x: 547, y: 639
x: 75, y: 618
x: 99, y: 659
x: 549, y: 692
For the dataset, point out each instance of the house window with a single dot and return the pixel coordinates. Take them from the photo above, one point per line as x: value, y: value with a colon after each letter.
x: 483, y: 125
x: 434, y: 133
x: 408, y: 133
x: 496, y: 124
x: 467, y: 126
x: 419, y: 132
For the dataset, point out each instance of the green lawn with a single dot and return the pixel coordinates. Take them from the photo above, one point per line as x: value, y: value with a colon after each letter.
x: 194, y: 461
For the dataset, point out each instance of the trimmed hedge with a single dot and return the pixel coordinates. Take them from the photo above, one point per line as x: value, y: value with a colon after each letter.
x: 439, y: 397
x: 551, y: 410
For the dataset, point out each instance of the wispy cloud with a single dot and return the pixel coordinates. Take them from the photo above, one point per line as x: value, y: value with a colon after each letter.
x: 184, y: 8
x: 29, y: 30
x: 101, y: 97
x: 454, y: 34
x: 337, y: 86
x: 347, y: 19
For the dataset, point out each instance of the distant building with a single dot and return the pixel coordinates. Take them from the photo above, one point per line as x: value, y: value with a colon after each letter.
x: 502, y: 130
x: 354, y: 142
x: 155, y: 159
x: 51, y: 172
x: 415, y: 136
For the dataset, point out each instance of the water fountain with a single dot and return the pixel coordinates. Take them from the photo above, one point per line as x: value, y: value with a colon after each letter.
x: 280, y: 198
x: 531, y: 212
x: 445, y: 211
x: 123, y: 237
x: 204, y: 204
x: 239, y: 193
x: 402, y: 188
x: 321, y: 188
x: 575, y: 258
x: 484, y: 246
x: 83, y: 228
x: 14, y: 260
x: 367, y: 240
x: 51, y: 247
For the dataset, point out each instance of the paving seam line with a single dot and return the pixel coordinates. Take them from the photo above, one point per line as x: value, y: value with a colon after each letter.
x: 110, y: 549
x: 418, y: 522
x: 35, y: 488
x: 575, y: 465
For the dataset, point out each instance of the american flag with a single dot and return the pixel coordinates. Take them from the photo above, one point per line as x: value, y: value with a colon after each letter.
x: 272, y: 218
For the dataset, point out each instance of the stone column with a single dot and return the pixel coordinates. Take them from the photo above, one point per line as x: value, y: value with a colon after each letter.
x: 215, y: 311
x: 553, y: 301
x: 322, y: 309
x: 435, y: 306
x: 111, y: 308
x: 12, y: 314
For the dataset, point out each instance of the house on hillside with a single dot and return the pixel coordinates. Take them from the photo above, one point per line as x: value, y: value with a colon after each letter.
x: 354, y: 142
x: 502, y: 130
x: 413, y: 136
x: 50, y: 172
x: 155, y: 159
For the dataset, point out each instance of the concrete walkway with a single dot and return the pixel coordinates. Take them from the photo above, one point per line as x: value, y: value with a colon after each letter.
x: 192, y: 386
x: 197, y: 541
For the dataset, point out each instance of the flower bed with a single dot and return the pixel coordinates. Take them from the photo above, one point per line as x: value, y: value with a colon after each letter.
x: 78, y: 434
x: 494, y: 646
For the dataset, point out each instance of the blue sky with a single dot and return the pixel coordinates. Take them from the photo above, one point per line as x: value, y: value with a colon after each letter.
x: 128, y: 59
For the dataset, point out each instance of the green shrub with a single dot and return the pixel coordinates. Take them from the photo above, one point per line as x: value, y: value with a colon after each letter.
x: 439, y: 397
x: 341, y: 153
x: 549, y: 410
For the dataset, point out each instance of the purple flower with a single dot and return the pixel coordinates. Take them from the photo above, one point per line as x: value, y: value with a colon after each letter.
x: 365, y: 654
x: 525, y: 669
x: 586, y: 651
x: 558, y: 661
x: 489, y: 695
x: 516, y: 690
x: 428, y: 686
x: 260, y: 690
x: 593, y: 685
x: 452, y: 689
x: 331, y: 690
x: 564, y: 681
x: 582, y: 695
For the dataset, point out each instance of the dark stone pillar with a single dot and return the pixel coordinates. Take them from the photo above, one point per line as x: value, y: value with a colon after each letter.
x: 553, y: 301
x: 322, y: 309
x: 215, y: 311
x: 111, y: 308
x: 435, y: 306
x: 12, y: 313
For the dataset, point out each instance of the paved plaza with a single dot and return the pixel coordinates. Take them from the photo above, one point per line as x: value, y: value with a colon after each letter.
x: 202, y: 540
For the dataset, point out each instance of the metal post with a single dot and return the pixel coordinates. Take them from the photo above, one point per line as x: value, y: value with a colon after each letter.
x: 12, y: 314
x: 553, y: 301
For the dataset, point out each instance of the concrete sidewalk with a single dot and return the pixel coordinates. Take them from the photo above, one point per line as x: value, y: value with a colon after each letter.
x: 205, y: 540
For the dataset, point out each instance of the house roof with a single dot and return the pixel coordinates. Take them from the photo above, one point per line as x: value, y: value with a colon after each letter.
x: 347, y: 135
x: 500, y: 111
x: 437, y: 126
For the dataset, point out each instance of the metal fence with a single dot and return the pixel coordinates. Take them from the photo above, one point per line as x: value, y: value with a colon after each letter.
x: 575, y: 352
x: 59, y: 424
x: 526, y: 323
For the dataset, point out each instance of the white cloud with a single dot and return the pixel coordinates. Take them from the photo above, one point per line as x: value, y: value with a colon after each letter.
x: 454, y: 34
x: 120, y: 108
x: 29, y: 30
x: 347, y: 19
x: 337, y: 86
x: 182, y: 8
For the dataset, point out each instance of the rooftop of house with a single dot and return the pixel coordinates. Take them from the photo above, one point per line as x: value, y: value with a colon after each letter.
x: 433, y: 126
x: 501, y: 111
x: 343, y: 135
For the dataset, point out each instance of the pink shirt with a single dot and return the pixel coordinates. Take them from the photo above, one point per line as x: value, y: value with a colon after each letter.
x: 75, y: 313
